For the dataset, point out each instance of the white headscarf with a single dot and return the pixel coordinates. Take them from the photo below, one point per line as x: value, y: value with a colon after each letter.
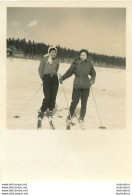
x: 48, y: 54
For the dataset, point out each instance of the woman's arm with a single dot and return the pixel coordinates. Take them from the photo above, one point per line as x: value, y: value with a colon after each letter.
x: 41, y: 68
x: 69, y: 72
x: 93, y: 75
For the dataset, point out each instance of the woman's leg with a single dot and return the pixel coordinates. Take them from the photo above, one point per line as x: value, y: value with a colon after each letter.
x: 47, y: 93
x: 54, y: 90
x: 75, y: 100
x: 84, y: 99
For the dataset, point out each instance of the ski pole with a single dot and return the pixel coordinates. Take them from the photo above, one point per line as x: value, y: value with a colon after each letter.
x: 66, y: 99
x: 64, y: 93
x: 65, y: 96
x: 18, y: 116
x: 101, y: 127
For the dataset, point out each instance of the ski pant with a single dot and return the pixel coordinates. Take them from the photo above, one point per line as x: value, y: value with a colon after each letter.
x: 50, y: 89
x: 78, y: 94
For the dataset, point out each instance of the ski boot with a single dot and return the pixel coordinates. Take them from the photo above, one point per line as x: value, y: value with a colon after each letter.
x: 49, y: 114
x: 40, y: 114
x: 68, y: 119
x: 81, y: 121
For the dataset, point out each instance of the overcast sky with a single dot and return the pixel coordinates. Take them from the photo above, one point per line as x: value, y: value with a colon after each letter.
x: 100, y: 30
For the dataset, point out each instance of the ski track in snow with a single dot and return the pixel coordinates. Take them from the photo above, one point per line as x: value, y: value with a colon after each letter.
x: 23, y: 81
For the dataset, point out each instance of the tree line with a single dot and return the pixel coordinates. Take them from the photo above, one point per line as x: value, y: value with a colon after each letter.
x: 34, y: 50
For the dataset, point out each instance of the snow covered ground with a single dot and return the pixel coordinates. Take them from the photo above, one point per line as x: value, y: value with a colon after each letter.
x: 23, y: 81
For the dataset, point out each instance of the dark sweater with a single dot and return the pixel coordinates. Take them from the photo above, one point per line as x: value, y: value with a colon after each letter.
x: 81, y: 70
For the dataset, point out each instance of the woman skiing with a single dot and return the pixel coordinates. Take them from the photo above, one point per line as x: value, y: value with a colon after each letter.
x: 82, y: 68
x: 48, y: 72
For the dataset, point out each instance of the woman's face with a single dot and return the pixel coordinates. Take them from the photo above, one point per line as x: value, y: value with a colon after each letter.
x: 53, y: 53
x: 83, y: 56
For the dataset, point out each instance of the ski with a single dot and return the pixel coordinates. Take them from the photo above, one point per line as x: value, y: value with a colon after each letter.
x: 39, y: 123
x: 52, y: 125
x: 72, y: 124
x: 69, y: 123
x: 59, y: 116
x: 68, y: 126
x: 50, y: 120
x: 40, y: 118
x: 79, y: 122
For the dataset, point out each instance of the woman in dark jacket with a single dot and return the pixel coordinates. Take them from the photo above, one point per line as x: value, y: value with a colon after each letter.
x: 48, y: 72
x: 81, y: 68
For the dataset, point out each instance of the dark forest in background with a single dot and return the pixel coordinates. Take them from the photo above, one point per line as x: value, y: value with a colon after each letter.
x: 32, y: 50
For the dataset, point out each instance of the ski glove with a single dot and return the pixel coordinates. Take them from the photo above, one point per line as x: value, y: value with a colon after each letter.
x: 91, y: 81
x: 61, y: 80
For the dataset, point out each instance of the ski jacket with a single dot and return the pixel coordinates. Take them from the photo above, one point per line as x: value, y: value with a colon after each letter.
x: 81, y: 70
x: 48, y: 68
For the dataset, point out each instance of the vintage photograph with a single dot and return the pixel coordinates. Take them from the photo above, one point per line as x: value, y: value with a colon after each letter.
x: 66, y: 94
x: 66, y: 68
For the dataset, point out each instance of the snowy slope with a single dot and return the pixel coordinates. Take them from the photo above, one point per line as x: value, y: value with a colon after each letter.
x: 23, y: 81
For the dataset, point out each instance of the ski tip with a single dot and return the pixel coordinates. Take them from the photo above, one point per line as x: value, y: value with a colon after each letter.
x: 39, y: 124
x: 16, y: 116
x: 59, y: 116
x: 102, y: 127
x: 68, y: 127
x: 51, y: 125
